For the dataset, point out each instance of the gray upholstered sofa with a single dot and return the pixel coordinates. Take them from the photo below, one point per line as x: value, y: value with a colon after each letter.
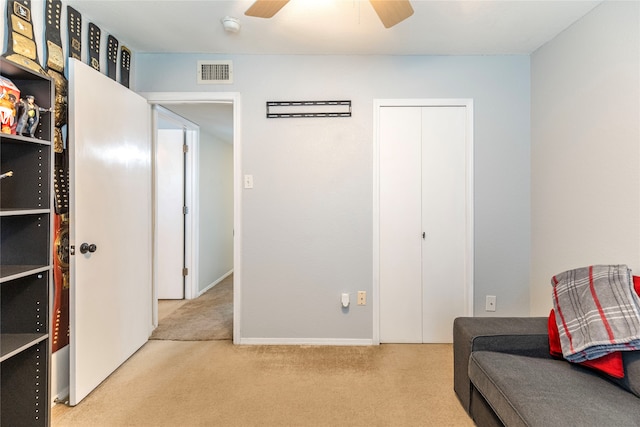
x: 505, y: 376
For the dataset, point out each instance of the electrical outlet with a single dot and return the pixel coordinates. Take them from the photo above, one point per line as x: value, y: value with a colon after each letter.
x: 490, y: 304
x: 362, y: 297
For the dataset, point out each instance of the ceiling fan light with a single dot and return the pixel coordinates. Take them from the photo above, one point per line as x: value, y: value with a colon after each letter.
x: 231, y: 24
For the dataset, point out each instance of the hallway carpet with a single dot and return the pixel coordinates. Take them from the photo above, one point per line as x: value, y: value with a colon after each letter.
x: 208, y: 317
x: 214, y: 383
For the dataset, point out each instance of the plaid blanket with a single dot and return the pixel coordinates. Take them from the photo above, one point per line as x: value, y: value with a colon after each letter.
x: 597, y: 311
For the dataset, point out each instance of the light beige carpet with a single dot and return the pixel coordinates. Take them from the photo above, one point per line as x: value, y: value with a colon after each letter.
x: 208, y: 317
x: 214, y: 383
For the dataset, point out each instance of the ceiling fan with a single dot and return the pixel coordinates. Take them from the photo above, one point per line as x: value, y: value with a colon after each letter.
x: 390, y: 12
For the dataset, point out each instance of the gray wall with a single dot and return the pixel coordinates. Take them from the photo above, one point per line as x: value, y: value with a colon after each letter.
x: 215, y: 233
x: 307, y: 224
x: 585, y: 147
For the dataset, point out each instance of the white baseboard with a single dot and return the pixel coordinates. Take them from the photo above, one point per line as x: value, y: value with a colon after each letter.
x: 211, y: 285
x: 306, y: 341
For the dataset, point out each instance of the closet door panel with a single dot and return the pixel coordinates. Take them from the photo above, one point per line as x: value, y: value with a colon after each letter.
x: 444, y: 193
x: 400, y: 239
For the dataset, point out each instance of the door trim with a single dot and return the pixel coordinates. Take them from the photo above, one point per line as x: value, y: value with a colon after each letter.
x: 438, y: 102
x: 233, y: 98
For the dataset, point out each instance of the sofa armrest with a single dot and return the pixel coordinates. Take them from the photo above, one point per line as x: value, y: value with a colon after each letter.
x: 516, y: 335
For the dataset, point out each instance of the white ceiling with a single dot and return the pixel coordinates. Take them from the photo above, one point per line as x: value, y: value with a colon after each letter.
x: 476, y: 27
x: 334, y: 26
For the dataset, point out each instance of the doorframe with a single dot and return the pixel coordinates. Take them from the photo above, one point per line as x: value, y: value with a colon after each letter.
x: 167, y: 98
x: 191, y: 134
x: 424, y: 102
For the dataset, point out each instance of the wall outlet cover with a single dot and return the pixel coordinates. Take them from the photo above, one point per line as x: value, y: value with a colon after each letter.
x: 362, y: 297
x: 490, y: 304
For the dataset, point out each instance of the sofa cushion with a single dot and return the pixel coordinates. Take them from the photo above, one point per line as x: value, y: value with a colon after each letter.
x: 530, y: 391
x: 518, y: 335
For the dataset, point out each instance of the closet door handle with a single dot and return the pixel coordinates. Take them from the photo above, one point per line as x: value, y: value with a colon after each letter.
x: 424, y: 234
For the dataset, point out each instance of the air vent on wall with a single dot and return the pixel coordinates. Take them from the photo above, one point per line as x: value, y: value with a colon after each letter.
x: 215, y: 72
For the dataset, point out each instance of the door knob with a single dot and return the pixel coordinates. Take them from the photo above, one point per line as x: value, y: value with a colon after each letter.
x: 86, y: 247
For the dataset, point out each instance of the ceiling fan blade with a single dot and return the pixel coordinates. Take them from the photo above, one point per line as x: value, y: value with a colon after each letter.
x: 392, y: 12
x: 265, y: 8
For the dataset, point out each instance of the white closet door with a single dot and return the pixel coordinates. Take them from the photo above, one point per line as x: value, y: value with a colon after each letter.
x: 444, y: 183
x: 400, y: 225
x: 110, y: 206
x: 423, y: 168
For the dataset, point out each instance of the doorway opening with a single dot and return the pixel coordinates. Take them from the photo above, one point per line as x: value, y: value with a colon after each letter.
x: 212, y: 166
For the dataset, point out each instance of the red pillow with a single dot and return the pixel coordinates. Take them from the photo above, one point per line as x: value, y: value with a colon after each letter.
x: 555, y: 348
x: 610, y: 364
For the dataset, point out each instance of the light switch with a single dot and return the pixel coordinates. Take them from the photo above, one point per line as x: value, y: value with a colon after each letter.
x: 248, y: 181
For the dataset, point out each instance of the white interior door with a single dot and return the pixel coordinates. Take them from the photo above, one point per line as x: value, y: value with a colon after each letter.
x: 110, y: 207
x: 170, y: 202
x: 424, y: 228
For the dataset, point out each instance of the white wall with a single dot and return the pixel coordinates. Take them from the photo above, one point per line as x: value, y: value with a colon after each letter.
x: 585, y: 147
x: 215, y: 233
x: 307, y: 223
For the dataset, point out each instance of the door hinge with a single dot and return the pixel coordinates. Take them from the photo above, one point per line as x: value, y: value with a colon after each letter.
x: 185, y: 210
x: 185, y: 271
x: 185, y: 148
